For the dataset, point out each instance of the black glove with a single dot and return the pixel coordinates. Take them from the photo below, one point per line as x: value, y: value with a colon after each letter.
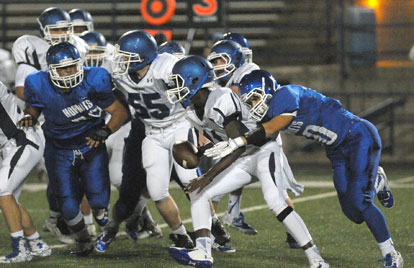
x: 27, y: 121
x: 101, y: 134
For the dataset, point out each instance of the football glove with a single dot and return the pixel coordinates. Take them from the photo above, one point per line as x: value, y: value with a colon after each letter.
x: 224, y: 148
x: 27, y: 121
x: 101, y: 134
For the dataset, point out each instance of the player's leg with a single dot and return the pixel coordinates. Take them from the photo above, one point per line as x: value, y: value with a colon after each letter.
x: 156, y: 161
x: 87, y: 216
x: 16, y: 165
x: 64, y: 171
x: 224, y: 183
x: 132, y: 185
x: 269, y: 172
x: 363, y: 162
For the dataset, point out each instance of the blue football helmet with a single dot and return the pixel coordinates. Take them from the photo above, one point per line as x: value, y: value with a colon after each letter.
x: 61, y: 56
x: 242, y: 41
x: 97, y: 48
x: 258, y: 87
x: 231, y: 55
x: 173, y: 48
x: 134, y: 50
x: 55, y: 25
x: 82, y: 21
x: 189, y: 75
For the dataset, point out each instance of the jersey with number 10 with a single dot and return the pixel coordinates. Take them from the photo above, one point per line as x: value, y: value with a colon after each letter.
x: 316, y: 116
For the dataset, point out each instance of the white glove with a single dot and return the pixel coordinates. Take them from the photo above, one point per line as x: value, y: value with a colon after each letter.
x: 224, y: 148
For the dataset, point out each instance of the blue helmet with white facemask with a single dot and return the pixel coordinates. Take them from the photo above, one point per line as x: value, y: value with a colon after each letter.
x: 260, y: 86
x: 55, y: 25
x: 189, y: 75
x: 60, y: 56
x: 134, y: 50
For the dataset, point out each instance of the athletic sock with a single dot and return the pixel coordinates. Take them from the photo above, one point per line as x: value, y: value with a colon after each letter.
x: 386, y: 247
x: 88, y: 218
x: 180, y: 230
x: 204, y: 243
x: 234, y: 205
x: 33, y: 236
x: 17, y: 234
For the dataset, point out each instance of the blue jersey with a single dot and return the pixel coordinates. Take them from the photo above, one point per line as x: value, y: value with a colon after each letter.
x: 70, y: 117
x: 315, y: 116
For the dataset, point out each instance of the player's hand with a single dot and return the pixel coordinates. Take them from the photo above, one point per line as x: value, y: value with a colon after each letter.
x: 224, y: 148
x: 98, y: 137
x: 198, y: 183
x: 27, y: 121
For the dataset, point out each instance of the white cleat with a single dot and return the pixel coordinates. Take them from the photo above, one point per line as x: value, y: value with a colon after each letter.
x: 192, y: 257
x: 317, y: 263
x: 20, y: 252
x: 52, y: 226
x: 39, y: 248
x: 393, y: 260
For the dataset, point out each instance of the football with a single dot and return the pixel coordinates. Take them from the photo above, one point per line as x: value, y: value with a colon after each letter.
x: 185, y: 154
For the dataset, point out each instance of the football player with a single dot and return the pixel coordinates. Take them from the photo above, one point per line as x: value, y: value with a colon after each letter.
x: 29, y: 53
x: 72, y: 98
x: 352, y: 144
x: 220, y: 115
x: 100, y: 55
x: 142, y: 75
x: 229, y: 58
x: 82, y: 21
x: 20, y: 151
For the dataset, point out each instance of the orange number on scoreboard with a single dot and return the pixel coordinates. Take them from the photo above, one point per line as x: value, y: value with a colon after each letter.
x: 207, y: 8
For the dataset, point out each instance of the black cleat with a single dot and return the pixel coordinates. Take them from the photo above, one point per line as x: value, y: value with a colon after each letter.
x: 182, y: 241
x: 221, y: 235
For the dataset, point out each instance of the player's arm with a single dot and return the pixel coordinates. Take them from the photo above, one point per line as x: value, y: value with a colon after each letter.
x: 256, y: 137
x: 233, y: 130
x: 118, y: 117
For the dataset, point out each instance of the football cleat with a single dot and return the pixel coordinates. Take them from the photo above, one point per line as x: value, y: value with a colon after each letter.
x: 91, y: 229
x: 222, y: 248
x: 39, y: 248
x: 221, y: 235
x: 60, y: 229
x: 393, y: 260
x: 150, y: 231
x: 384, y: 195
x: 291, y: 241
x: 102, y: 219
x: 318, y: 263
x: 20, y: 252
x: 191, y: 257
x: 182, y: 241
x: 132, y: 233
x: 105, y: 238
x: 83, y: 248
x: 239, y: 223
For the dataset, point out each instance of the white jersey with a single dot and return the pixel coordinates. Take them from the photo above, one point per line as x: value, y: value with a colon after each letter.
x: 240, y: 72
x: 31, y: 50
x: 11, y: 110
x: 148, y: 97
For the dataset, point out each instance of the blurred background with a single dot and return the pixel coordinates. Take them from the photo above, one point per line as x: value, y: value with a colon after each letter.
x: 355, y: 51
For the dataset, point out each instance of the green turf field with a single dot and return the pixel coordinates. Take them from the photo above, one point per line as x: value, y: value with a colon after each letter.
x: 341, y: 242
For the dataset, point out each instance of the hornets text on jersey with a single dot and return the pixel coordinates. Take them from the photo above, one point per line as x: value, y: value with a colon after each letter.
x: 70, y: 117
